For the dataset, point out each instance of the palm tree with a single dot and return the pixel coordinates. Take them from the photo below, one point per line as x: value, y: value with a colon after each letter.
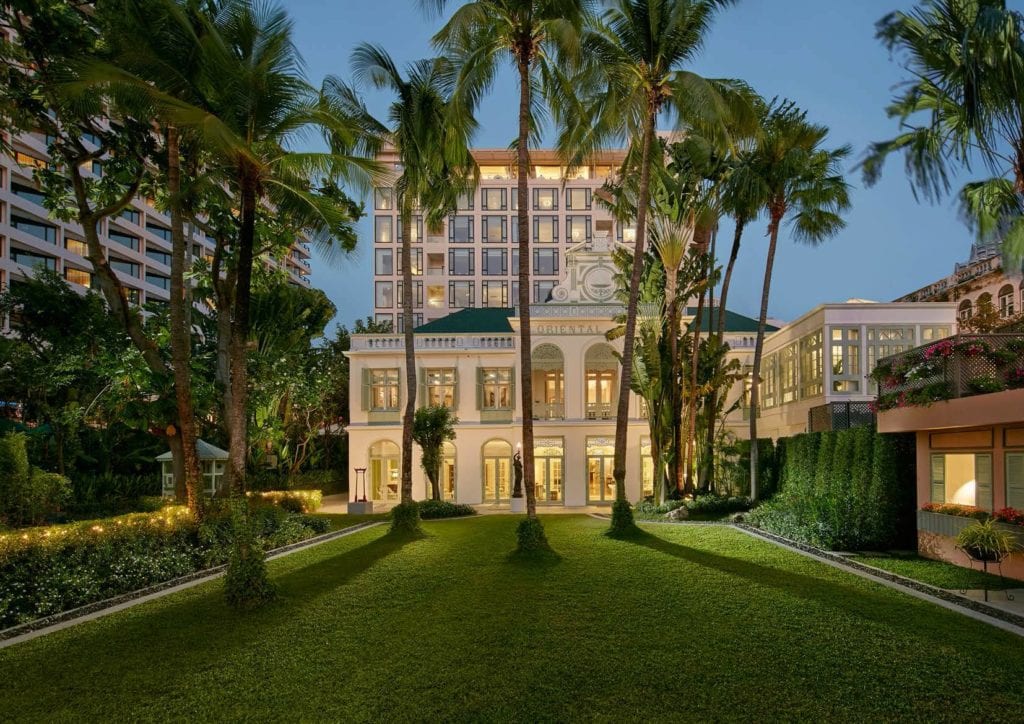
x: 804, y: 183
x: 430, y: 134
x: 963, y: 103
x: 637, y: 51
x: 539, y: 37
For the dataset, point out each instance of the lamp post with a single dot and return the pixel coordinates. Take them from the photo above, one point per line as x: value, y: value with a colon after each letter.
x: 361, y: 480
x: 360, y: 504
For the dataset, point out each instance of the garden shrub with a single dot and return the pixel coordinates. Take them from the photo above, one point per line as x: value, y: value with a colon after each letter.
x: 530, y: 537
x: 246, y: 583
x: 701, y: 504
x: 27, y: 494
x: 433, y: 509
x: 97, y: 495
x: 405, y: 518
x: 295, y: 501
x: 736, y: 479
x: 46, y: 570
x: 844, y: 490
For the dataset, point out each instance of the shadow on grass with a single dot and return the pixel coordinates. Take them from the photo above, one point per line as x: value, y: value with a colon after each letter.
x: 318, y: 578
x: 859, y: 602
x: 536, y: 559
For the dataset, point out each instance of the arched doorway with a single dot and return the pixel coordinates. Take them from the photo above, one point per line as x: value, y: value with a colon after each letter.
x: 385, y: 459
x: 497, y: 483
x: 601, y: 382
x: 448, y: 472
x: 548, y: 382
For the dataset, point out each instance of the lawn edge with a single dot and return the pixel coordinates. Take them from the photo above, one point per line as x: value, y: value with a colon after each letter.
x: 91, y: 611
x: 977, y: 610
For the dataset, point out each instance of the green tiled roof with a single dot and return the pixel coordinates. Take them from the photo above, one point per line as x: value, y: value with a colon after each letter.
x: 733, y: 322
x: 492, y: 320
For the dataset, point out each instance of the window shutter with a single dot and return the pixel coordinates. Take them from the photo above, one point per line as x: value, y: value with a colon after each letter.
x: 366, y: 389
x: 1015, y: 480
x: 938, y: 478
x: 479, y: 388
x: 421, y: 388
x: 983, y: 481
x: 455, y: 389
x: 512, y: 388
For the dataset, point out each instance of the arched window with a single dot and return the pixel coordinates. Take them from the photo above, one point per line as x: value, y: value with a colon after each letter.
x: 600, y: 395
x: 1006, y: 301
x: 548, y: 382
x: 385, y: 458
x: 965, y: 310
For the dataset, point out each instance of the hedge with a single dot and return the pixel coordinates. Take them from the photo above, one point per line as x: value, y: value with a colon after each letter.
x: 844, y: 490
x: 47, y: 570
x: 296, y: 501
x: 433, y: 509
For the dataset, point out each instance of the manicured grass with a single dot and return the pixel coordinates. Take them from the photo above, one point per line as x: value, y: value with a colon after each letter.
x: 938, y: 573
x: 684, y: 622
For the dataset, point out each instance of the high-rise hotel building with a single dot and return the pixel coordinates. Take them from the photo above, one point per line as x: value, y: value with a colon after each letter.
x: 473, y: 259
x: 137, y: 243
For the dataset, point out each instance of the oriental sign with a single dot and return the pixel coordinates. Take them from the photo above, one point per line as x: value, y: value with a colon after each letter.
x: 561, y: 330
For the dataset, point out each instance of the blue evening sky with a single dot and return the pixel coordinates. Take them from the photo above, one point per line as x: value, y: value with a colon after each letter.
x: 820, y: 53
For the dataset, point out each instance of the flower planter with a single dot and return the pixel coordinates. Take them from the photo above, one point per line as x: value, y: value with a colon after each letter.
x: 951, y: 525
x: 360, y: 507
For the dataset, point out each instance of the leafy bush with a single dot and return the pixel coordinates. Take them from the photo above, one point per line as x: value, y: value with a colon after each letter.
x: 432, y: 509
x: 246, y: 583
x: 405, y: 518
x: 983, y: 541
x: 702, y: 504
x: 326, y: 481
x: 27, y: 494
x: 530, y: 537
x: 650, y: 509
x: 47, y: 570
x: 735, y: 477
x: 295, y: 501
x: 844, y: 490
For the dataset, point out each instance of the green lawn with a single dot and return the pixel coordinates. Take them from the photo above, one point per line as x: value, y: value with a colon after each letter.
x: 938, y: 573
x: 687, y: 622
x: 338, y: 520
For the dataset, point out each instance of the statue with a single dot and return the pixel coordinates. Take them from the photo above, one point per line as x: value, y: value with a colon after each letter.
x: 517, y: 475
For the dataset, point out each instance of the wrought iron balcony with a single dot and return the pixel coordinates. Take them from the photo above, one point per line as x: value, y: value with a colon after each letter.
x: 548, y: 411
x: 599, y: 411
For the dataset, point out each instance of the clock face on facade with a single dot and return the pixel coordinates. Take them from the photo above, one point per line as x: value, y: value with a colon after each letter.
x: 599, y: 283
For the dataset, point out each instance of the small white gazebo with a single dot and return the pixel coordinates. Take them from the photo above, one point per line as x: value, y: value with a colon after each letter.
x: 213, y: 461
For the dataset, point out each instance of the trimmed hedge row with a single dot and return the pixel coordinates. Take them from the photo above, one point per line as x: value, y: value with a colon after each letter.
x: 844, y: 490
x: 702, y: 504
x: 295, y: 501
x: 51, y: 569
x: 433, y: 509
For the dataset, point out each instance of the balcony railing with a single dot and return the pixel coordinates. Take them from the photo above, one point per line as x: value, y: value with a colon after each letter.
x: 548, y: 411
x: 362, y: 342
x: 599, y: 411
x: 958, y: 366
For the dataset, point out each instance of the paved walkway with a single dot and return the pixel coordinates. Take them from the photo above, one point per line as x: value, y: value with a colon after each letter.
x: 338, y: 504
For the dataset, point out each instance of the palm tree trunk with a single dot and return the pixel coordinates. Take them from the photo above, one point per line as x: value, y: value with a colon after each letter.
x: 238, y: 419
x: 691, y: 418
x: 525, y: 337
x: 410, y: 354
x: 622, y: 408
x: 675, y: 403
x: 762, y: 321
x: 181, y: 332
x: 709, y: 440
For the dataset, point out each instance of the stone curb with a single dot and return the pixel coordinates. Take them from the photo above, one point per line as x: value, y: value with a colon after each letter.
x: 922, y: 588
x: 64, y: 619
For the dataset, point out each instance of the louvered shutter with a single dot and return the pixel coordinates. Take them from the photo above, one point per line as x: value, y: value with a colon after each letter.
x: 421, y: 388
x: 983, y: 481
x: 455, y: 388
x: 479, y: 388
x: 1015, y: 480
x: 938, y: 478
x: 365, y: 389
x: 512, y: 388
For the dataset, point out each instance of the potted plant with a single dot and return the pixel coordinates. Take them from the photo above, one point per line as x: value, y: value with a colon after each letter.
x: 984, y: 542
x: 518, y: 502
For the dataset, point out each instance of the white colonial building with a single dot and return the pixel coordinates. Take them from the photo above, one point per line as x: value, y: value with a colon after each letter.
x: 469, y: 360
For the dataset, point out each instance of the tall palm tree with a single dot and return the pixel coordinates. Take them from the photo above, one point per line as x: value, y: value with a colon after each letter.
x: 430, y: 133
x: 538, y: 36
x: 804, y: 183
x: 962, y: 104
x: 637, y: 52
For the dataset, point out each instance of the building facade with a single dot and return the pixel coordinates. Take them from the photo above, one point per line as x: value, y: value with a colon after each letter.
x: 981, y: 280
x: 815, y: 371
x: 469, y: 361
x: 472, y: 261
x: 137, y: 242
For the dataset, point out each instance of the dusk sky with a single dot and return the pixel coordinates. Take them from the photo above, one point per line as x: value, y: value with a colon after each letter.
x: 820, y: 53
